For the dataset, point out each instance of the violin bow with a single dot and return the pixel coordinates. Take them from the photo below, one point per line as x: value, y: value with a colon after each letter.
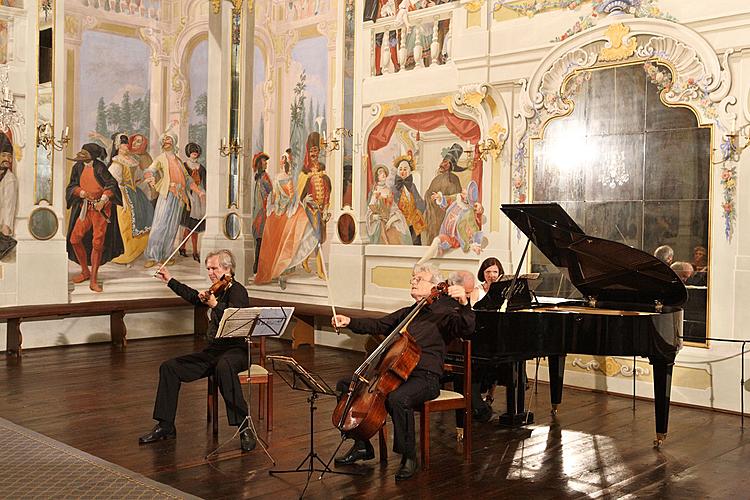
x: 178, y: 246
x: 328, y: 286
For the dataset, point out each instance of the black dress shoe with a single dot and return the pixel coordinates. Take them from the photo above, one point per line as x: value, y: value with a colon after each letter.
x: 407, y: 470
x: 183, y: 253
x: 157, y: 434
x: 247, y: 440
x: 197, y: 257
x: 356, y: 454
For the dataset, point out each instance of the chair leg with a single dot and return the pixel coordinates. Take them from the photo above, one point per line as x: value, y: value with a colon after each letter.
x: 424, y: 437
x: 269, y: 403
x: 383, y: 444
x: 209, y: 398
x: 261, y: 388
x: 215, y: 407
x: 467, y: 435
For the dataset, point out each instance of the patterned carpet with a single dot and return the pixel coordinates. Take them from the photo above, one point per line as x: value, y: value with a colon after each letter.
x: 35, y: 466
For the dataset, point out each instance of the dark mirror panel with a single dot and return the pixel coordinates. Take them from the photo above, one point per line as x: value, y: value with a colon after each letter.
x: 630, y: 169
x: 45, y: 56
x: 346, y: 228
x: 43, y: 223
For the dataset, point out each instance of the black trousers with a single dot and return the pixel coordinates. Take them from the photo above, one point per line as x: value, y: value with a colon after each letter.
x: 421, y: 386
x: 224, y: 361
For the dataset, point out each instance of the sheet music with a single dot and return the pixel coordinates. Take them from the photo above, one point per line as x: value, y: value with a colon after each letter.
x: 236, y: 322
x: 292, y: 372
x: 271, y: 321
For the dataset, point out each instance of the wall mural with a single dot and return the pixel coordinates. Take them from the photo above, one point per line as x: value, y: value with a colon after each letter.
x: 259, y: 103
x: 425, y: 192
x: 298, y: 206
x: 131, y: 201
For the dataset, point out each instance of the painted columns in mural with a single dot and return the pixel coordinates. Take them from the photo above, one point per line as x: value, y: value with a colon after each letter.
x: 225, y: 172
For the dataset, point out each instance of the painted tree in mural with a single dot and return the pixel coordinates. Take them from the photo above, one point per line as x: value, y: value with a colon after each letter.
x: 130, y: 117
x: 197, y: 131
x: 297, y: 133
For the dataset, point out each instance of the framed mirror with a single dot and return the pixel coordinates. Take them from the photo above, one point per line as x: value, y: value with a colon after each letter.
x: 346, y: 228
x: 348, y: 79
x: 232, y: 224
x: 629, y: 168
x: 44, y: 157
x: 43, y: 223
x: 234, y: 111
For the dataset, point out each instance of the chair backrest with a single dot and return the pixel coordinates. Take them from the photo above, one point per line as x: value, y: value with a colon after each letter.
x: 260, y: 343
x: 463, y: 368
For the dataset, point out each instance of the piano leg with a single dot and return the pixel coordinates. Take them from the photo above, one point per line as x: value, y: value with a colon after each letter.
x: 662, y: 389
x: 556, y: 365
x: 515, y: 391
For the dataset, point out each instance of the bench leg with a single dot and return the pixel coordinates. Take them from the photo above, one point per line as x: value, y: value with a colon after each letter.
x: 304, y: 331
x: 269, y: 403
x: 13, y: 337
x: 117, y: 328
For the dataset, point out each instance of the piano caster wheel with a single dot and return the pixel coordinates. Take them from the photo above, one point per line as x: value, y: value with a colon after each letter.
x: 659, y: 440
x: 553, y: 411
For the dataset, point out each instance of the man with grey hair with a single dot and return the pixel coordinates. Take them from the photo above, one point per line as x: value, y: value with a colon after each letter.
x: 665, y: 254
x: 436, y: 324
x: 224, y: 358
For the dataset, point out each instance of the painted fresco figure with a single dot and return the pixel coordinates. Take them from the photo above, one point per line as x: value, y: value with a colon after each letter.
x: 94, y: 232
x: 462, y: 225
x: 445, y: 183
x: 193, y: 214
x: 138, y: 146
x: 315, y: 195
x: 262, y: 189
x: 288, y: 236
x: 8, y: 196
x: 385, y: 222
x: 136, y: 213
x: 173, y: 189
x: 407, y: 198
x: 8, y: 187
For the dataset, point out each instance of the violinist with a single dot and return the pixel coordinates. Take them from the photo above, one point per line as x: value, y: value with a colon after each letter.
x: 223, y: 357
x: 436, y: 324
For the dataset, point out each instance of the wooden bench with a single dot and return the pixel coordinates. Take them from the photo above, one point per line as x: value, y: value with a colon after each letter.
x: 304, y: 329
x: 115, y: 309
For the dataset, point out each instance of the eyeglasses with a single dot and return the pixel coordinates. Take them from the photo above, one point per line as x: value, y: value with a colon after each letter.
x: 415, y: 280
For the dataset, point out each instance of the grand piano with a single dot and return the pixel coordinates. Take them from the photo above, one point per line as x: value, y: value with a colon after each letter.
x: 630, y: 306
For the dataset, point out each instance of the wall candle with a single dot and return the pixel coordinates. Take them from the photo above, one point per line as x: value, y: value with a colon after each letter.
x: 65, y: 132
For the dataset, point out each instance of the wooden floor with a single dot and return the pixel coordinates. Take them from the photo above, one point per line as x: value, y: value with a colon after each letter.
x: 99, y: 399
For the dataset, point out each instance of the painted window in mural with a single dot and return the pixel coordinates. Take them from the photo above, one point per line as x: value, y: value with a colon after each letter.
x: 198, y: 106
x: 115, y: 71
x: 305, y: 9
x: 298, y: 207
x: 424, y: 183
x: 630, y: 169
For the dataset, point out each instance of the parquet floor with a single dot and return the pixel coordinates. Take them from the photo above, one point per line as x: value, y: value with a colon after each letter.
x: 99, y: 399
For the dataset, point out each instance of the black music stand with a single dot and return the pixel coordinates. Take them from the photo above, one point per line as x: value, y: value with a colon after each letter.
x: 248, y: 323
x: 299, y: 379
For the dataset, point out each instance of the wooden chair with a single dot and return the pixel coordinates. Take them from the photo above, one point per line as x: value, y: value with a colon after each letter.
x: 256, y: 374
x: 446, y: 401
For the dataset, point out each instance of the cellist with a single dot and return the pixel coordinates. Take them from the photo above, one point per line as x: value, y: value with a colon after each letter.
x: 434, y: 327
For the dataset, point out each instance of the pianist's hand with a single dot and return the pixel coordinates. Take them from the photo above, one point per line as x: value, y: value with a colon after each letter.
x: 340, y: 321
x: 458, y: 292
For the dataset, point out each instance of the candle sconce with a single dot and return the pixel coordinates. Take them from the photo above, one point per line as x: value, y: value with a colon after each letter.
x: 734, y: 144
x: 45, y: 138
x: 9, y: 114
x: 485, y: 147
x: 334, y: 144
x: 233, y: 148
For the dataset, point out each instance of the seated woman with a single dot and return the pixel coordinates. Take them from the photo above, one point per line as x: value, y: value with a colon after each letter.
x: 489, y: 272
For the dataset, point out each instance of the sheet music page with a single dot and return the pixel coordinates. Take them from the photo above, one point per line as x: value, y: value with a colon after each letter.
x: 236, y: 322
x: 273, y: 321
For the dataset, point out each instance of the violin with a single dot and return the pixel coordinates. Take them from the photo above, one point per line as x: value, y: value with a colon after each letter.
x: 220, y: 285
x: 362, y: 412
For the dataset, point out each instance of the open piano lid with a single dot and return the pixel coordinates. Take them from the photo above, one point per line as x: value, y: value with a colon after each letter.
x: 607, y: 270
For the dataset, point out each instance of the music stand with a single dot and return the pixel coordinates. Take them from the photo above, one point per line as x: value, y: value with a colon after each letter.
x: 299, y: 379
x: 247, y: 323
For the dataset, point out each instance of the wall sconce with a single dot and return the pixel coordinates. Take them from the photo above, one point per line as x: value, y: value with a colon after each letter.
x: 485, y: 147
x: 45, y: 138
x: 333, y: 143
x: 9, y: 114
x: 226, y: 148
x: 734, y: 144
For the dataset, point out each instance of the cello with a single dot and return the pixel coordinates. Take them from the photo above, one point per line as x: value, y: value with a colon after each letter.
x: 362, y: 413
